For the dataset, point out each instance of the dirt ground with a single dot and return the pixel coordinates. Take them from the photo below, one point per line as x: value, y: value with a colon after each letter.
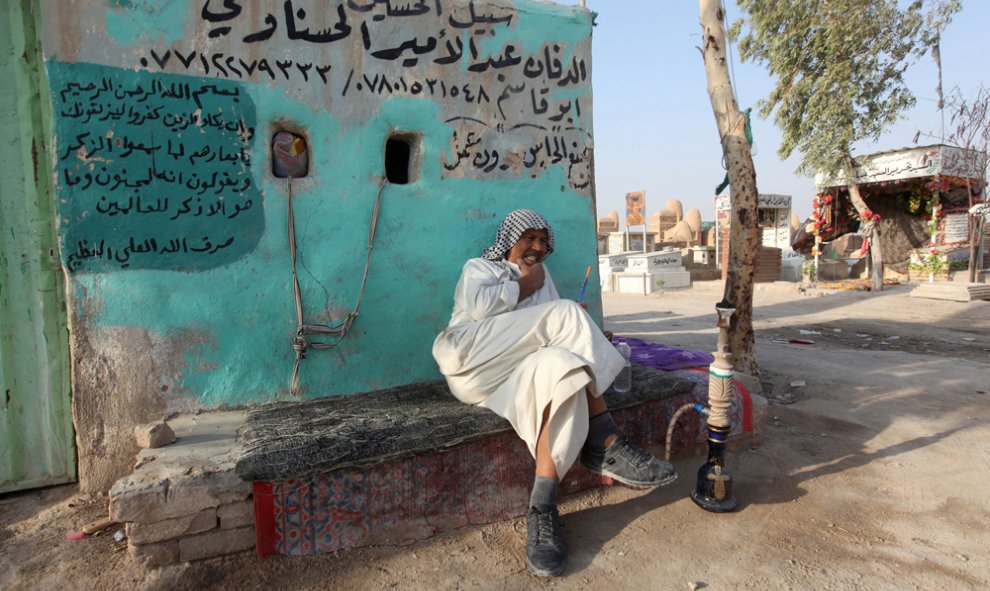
x: 873, y: 475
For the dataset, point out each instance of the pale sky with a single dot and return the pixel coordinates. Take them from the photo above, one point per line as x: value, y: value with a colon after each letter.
x: 653, y: 124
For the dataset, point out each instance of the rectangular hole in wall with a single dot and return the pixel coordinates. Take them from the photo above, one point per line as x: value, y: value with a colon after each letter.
x: 290, y: 155
x: 400, y: 152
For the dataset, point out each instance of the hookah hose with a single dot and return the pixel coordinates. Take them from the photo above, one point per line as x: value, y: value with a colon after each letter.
x: 700, y: 408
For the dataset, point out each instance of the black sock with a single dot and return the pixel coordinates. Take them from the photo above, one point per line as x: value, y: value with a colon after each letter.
x: 544, y: 491
x: 600, y: 427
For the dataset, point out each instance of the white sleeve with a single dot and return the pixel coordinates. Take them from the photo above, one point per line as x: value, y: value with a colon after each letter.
x: 549, y: 286
x: 486, y: 290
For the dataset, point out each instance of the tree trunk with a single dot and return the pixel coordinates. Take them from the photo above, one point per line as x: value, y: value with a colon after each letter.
x: 744, y: 235
x: 974, y: 239
x: 980, y: 225
x: 872, y: 231
x: 974, y: 252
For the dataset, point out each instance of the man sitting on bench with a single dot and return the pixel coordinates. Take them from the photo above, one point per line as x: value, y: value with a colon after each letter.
x: 514, y: 347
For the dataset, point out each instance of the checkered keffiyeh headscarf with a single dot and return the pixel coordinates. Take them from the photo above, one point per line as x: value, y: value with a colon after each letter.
x: 512, y: 228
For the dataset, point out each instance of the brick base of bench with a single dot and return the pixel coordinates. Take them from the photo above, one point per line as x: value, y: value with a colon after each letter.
x: 184, y: 502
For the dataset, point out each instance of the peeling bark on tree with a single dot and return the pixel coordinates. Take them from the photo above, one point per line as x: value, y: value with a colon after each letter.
x: 871, y: 229
x: 744, y: 235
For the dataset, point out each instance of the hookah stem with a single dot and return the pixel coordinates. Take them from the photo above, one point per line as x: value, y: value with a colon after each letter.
x: 584, y: 285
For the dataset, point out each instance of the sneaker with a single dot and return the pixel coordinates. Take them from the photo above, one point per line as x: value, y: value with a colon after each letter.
x: 546, y: 551
x: 629, y: 464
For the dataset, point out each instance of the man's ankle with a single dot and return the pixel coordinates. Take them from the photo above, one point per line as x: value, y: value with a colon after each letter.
x: 545, y: 492
x: 602, y: 431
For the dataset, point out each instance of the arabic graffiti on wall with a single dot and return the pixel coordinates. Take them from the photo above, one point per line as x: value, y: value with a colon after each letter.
x: 766, y: 201
x: 160, y: 102
x: 772, y: 201
x: 914, y: 163
x: 153, y: 170
x: 515, y: 110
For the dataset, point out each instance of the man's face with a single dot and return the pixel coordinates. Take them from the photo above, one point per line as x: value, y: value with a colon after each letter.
x: 530, y: 249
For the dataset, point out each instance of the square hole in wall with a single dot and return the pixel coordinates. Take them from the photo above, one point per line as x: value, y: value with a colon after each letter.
x: 290, y: 155
x: 400, y: 156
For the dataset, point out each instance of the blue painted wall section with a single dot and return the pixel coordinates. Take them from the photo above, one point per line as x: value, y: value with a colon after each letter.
x: 154, y: 169
x: 171, y: 220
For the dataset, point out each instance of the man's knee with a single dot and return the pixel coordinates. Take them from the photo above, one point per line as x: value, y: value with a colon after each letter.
x: 570, y: 313
x: 566, y: 308
x: 556, y: 356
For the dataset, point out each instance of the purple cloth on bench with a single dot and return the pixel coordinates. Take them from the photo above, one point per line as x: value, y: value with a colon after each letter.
x: 662, y: 356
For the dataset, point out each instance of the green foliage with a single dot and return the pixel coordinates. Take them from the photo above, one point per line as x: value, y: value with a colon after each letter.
x: 919, y: 197
x: 839, y: 68
x: 933, y: 262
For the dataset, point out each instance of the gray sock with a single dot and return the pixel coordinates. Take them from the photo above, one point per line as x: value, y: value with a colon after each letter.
x: 600, y: 427
x: 544, y: 491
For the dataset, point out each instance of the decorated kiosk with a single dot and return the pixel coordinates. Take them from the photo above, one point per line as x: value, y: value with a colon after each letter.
x: 921, y: 198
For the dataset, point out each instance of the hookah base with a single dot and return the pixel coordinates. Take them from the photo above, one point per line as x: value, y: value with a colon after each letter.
x: 713, y: 492
x: 714, y: 505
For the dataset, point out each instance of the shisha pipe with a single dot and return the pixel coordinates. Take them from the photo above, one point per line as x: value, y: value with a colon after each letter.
x: 713, y: 491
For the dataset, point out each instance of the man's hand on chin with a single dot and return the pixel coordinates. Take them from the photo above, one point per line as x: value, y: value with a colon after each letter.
x: 534, y: 269
x: 531, y: 277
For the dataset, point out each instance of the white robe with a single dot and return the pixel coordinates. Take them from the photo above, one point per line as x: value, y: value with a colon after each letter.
x: 516, y: 358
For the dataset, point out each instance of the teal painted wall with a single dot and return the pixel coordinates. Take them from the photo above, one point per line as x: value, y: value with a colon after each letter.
x: 499, y: 98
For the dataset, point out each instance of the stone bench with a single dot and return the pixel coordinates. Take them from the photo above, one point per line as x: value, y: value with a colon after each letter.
x: 387, y: 467
x: 399, y: 465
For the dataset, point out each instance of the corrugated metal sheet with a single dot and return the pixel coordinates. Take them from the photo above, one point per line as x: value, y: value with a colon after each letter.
x: 36, y: 438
